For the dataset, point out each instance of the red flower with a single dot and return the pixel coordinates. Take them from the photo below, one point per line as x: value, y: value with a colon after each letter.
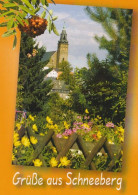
x: 94, y: 136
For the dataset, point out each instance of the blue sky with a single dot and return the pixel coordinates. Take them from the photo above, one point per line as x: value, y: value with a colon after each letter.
x: 80, y: 33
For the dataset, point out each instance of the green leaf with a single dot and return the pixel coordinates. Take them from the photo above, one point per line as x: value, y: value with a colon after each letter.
x: 19, y: 20
x: 37, y: 10
x: 22, y: 15
x: 9, y: 33
x: 43, y: 14
x: 28, y: 4
x: 14, y: 42
x: 49, y: 24
x: 34, y: 2
x: 6, y: 13
x: 44, y: 6
x: 54, y: 29
x: 1, y: 2
x: 10, y: 5
x: 53, y: 1
x: 26, y: 10
x: 55, y: 18
x: 51, y: 12
x: 26, y: 21
x: 3, y: 24
x: 10, y: 24
x: 43, y: 2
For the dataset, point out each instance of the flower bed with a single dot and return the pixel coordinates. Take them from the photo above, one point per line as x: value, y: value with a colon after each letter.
x: 29, y: 135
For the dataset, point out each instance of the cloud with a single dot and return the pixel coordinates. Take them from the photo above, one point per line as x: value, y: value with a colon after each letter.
x: 80, y: 32
x: 61, y: 15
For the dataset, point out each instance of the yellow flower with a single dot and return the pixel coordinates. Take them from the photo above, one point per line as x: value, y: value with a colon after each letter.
x: 49, y: 126
x: 56, y: 126
x: 96, y: 120
x: 42, y: 134
x: 31, y: 117
x: 25, y: 141
x: 99, y: 135
x: 37, y: 163
x: 15, y: 137
x: 65, y: 137
x: 66, y: 125
x: 33, y: 140
x: 13, y: 156
x: 15, y: 151
x: 85, y: 125
x: 17, y: 143
x: 121, y: 130
x: 54, y: 149
x: 64, y: 161
x: 98, y: 117
x: 121, y: 139
x: 86, y: 111
x: 48, y: 119
x: 18, y: 125
x: 53, y: 162
x: 110, y: 141
x: 34, y: 127
x: 22, y: 121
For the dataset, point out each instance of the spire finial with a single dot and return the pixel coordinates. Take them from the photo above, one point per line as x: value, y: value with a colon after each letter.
x: 64, y: 26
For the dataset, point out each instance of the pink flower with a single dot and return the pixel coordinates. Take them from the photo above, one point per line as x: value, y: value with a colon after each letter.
x: 59, y: 135
x: 90, y: 123
x: 78, y: 117
x: 109, y: 124
x: 74, y: 130
x: 67, y: 132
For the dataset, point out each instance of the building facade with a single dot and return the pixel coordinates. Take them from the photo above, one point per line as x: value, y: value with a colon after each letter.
x: 54, y: 58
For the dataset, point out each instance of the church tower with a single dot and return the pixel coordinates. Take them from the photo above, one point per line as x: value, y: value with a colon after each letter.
x: 62, y: 51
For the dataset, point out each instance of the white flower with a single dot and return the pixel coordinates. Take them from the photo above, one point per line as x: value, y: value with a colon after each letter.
x: 99, y: 154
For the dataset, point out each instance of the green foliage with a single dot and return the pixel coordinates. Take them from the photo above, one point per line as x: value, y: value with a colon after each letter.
x: 19, y: 98
x: 101, y: 161
x: 16, y: 12
x: 102, y: 87
x: 77, y: 159
x: 31, y: 75
x: 66, y: 75
x: 49, y: 152
x: 57, y: 109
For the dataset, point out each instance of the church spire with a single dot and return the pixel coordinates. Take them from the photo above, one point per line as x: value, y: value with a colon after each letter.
x: 63, y: 35
x: 62, y: 51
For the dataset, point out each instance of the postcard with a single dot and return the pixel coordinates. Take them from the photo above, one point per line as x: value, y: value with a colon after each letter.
x: 72, y: 87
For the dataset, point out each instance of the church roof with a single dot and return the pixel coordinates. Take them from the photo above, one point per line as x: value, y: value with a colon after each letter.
x: 47, y: 56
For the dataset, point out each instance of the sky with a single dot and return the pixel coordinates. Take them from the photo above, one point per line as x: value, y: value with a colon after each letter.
x: 80, y: 34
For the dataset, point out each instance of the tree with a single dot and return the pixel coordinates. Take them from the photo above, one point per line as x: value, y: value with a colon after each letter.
x: 117, y: 25
x: 102, y: 87
x: 66, y: 75
x: 31, y: 75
